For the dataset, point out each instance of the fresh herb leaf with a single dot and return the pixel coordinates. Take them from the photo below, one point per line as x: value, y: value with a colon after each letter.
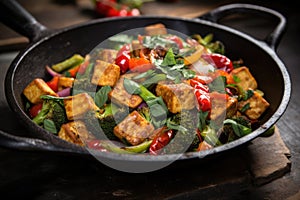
x: 146, y: 74
x: 172, y: 125
x: 154, y: 79
x: 169, y: 58
x: 131, y: 86
x: 245, y: 107
x: 248, y: 94
x: 102, y: 96
x: 49, y: 125
x: 202, y: 116
x: 218, y: 84
x: 236, y: 79
x: 188, y: 74
x: 238, y: 129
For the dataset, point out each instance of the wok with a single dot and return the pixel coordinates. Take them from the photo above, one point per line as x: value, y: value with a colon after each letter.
x: 50, y: 46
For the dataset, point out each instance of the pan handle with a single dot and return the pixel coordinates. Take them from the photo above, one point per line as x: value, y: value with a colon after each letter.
x: 272, y: 39
x: 17, y: 18
x: 29, y: 144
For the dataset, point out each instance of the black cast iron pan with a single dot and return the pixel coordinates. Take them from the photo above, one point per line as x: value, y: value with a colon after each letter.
x: 50, y: 46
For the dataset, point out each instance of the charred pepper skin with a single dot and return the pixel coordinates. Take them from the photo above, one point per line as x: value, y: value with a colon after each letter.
x: 160, y: 141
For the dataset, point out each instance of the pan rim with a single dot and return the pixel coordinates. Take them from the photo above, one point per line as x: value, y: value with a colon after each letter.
x: 12, y: 100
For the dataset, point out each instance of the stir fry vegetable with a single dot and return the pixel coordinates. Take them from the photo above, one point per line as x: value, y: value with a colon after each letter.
x: 158, y: 93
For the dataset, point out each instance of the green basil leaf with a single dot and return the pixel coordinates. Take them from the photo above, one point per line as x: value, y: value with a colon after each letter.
x: 238, y: 129
x: 153, y: 80
x: 245, y: 107
x: 146, y: 74
x: 248, y: 94
x: 49, y: 125
x: 102, y: 96
x: 131, y: 87
x: 202, y: 116
x: 188, y: 74
x: 169, y: 58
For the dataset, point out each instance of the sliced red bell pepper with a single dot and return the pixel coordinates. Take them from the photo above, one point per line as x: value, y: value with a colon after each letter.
x: 219, y: 61
x: 177, y: 40
x: 53, y: 83
x: 73, y: 71
x: 35, y: 109
x: 123, y: 57
x: 139, y: 65
x: 202, y: 95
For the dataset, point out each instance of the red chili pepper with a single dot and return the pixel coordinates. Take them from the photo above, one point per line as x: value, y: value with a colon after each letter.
x: 111, y: 8
x: 160, y: 141
x: 203, y: 79
x: 73, y: 71
x: 133, y: 12
x: 177, y: 40
x: 139, y: 65
x: 202, y: 95
x: 35, y: 109
x: 96, y: 144
x: 104, y: 6
x: 123, y: 57
x: 219, y: 61
x: 84, y: 65
x: 53, y: 83
x: 198, y: 85
x: 203, y: 100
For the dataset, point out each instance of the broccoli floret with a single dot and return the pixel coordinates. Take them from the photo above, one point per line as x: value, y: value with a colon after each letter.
x: 52, y: 116
x: 144, y: 111
x: 186, y: 136
x: 104, y: 121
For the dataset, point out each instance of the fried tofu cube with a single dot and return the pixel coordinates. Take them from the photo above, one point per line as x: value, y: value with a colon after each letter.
x: 76, y: 106
x: 177, y: 97
x: 74, y: 132
x: 37, y: 88
x: 223, y: 106
x: 134, y: 128
x: 105, y: 73
x: 120, y: 96
x: 253, y: 107
x: 246, y: 80
x: 156, y: 29
x: 108, y: 55
x: 65, y: 82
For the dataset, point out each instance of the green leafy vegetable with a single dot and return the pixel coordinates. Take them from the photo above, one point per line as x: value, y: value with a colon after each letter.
x: 101, y: 96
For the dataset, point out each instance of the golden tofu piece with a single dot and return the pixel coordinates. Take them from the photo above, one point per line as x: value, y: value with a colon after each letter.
x: 108, y: 55
x: 37, y: 88
x: 74, y: 132
x: 105, y: 73
x: 177, y: 97
x: 223, y: 106
x: 65, y: 82
x: 253, y: 107
x: 120, y: 96
x: 76, y: 106
x: 156, y: 29
x: 134, y: 128
x: 246, y: 80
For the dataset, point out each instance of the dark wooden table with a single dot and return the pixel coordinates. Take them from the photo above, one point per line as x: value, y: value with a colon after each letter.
x: 44, y: 175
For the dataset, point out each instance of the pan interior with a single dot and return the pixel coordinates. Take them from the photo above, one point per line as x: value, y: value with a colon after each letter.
x: 82, y: 39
